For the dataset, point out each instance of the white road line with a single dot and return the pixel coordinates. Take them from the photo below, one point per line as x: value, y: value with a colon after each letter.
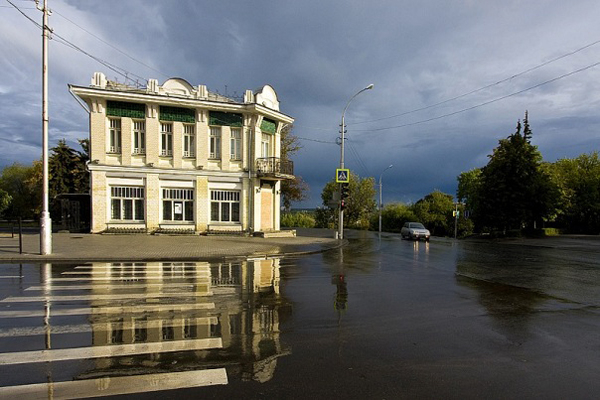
x: 102, y: 286
x: 81, y: 328
x: 144, y: 272
x: 135, y: 309
x: 82, y: 353
x: 157, y: 278
x: 144, y: 267
x: 111, y: 297
x: 117, y: 385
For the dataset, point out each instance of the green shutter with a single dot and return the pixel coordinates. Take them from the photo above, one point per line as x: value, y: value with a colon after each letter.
x: 268, y: 126
x: 225, y: 119
x: 124, y: 109
x: 177, y: 114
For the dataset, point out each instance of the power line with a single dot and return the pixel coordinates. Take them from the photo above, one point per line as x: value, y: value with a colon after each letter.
x: 110, y: 45
x: 484, y: 87
x: 25, y: 15
x: 64, y: 41
x: 315, y: 140
x: 485, y: 103
x: 358, y: 157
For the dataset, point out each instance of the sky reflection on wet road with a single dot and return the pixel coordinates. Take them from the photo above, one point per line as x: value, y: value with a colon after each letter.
x: 382, y: 318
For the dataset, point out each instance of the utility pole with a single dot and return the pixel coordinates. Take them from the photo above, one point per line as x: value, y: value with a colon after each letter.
x: 342, y: 134
x: 45, y: 221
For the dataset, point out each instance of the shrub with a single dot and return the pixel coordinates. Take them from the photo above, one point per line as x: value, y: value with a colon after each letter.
x: 298, y: 219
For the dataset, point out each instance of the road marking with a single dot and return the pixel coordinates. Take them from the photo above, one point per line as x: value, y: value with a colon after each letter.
x: 144, y: 267
x: 154, y: 323
x: 112, y: 386
x: 134, y: 309
x: 117, y: 273
x: 104, y: 286
x: 96, y: 297
x: 82, y: 353
x: 157, y: 278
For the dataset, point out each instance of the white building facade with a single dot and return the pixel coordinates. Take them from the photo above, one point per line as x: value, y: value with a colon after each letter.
x: 178, y: 158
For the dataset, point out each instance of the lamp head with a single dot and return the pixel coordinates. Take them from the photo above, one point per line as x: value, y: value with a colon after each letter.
x: 370, y: 86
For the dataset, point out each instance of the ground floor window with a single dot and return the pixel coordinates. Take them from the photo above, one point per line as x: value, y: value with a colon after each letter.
x: 178, y: 204
x: 225, y: 206
x: 127, y: 203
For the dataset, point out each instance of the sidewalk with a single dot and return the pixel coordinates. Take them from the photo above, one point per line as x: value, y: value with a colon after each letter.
x: 138, y: 247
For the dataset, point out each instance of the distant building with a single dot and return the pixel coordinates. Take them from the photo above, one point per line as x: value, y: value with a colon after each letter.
x: 177, y: 157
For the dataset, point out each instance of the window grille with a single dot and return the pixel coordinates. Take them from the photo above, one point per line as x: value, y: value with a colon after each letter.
x: 178, y: 204
x: 177, y: 114
x: 125, y: 109
x: 127, y: 203
x: 225, y: 206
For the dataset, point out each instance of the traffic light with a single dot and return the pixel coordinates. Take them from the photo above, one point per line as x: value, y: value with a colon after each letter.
x: 342, y: 204
x: 345, y: 190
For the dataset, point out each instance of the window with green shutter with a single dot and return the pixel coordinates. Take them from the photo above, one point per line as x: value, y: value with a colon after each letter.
x: 225, y: 119
x: 125, y: 109
x: 268, y: 126
x: 179, y: 114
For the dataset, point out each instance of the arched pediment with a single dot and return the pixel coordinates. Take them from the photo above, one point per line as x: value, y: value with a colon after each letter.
x: 177, y: 86
x: 267, y: 97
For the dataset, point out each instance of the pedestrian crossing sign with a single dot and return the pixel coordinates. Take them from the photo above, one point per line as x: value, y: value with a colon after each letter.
x: 342, y: 175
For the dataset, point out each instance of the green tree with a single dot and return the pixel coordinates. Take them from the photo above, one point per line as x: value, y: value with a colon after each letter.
x: 21, y: 182
x: 5, y: 200
x: 579, y: 183
x: 82, y: 175
x: 469, y: 187
x: 359, y: 205
x: 62, y: 164
x: 435, y: 212
x: 296, y: 189
x: 515, y: 190
x: 393, y: 217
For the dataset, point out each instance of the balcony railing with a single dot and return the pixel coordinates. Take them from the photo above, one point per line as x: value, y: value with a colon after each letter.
x: 275, y: 167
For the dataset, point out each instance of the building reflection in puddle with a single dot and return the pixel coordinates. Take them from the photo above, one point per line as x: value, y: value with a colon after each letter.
x: 179, y: 309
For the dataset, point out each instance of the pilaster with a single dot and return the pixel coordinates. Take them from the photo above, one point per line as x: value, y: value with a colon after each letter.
x: 152, y: 202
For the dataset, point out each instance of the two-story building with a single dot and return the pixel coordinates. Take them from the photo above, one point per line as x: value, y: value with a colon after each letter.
x: 176, y: 157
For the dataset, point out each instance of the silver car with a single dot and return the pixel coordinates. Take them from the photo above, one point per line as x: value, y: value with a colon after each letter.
x: 415, y: 230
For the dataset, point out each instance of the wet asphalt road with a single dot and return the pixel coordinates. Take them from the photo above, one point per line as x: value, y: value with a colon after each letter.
x: 378, y: 319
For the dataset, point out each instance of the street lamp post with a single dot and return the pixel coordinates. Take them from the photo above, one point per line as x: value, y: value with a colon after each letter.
x: 380, y: 191
x: 45, y: 221
x: 343, y: 132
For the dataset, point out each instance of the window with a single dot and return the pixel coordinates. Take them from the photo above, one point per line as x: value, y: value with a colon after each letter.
x: 114, y: 135
x: 236, y: 144
x: 189, y: 140
x: 127, y: 203
x: 265, y: 145
x: 166, y: 138
x: 225, y: 206
x: 178, y: 204
x: 139, y: 137
x: 215, y: 142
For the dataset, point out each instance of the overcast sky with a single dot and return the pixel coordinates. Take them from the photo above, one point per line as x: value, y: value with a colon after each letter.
x: 505, y: 57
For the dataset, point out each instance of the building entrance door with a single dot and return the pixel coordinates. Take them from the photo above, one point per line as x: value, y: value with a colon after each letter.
x: 266, y: 207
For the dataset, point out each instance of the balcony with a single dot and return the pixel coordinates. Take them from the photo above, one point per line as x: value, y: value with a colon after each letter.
x: 274, y: 168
